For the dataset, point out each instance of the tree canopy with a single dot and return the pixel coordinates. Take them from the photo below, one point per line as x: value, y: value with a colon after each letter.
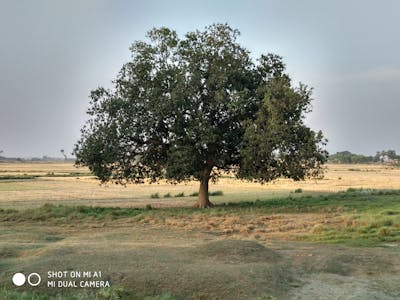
x: 193, y: 107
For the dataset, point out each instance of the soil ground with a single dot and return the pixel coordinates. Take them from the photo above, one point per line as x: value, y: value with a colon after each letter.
x: 267, y: 250
x: 148, y: 260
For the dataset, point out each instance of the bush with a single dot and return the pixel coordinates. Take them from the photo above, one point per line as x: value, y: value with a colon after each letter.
x: 216, y: 193
x: 195, y: 194
x: 318, y: 228
x: 180, y: 195
x: 168, y: 195
x: 384, y: 231
x: 298, y: 191
x: 155, y: 196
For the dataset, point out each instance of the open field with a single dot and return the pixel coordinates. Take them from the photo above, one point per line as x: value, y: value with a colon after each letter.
x: 331, y: 240
x: 76, y: 189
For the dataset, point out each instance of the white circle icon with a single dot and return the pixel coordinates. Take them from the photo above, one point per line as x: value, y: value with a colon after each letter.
x: 18, y: 279
x: 34, y: 282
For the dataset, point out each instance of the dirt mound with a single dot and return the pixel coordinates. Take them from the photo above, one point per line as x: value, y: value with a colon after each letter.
x: 236, y: 251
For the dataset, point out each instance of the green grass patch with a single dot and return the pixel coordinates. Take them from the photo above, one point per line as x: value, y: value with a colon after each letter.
x: 216, y: 193
x: 70, y: 174
x: 366, y: 228
x: 112, y: 293
x: 368, y: 215
x: 48, y: 174
x: 17, y: 177
x: 67, y: 213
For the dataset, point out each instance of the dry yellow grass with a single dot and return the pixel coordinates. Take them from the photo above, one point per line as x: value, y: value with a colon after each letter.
x: 87, y: 190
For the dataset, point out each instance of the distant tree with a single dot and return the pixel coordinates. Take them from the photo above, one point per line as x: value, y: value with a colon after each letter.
x: 190, y: 108
x: 346, y: 157
x: 385, y: 155
x: 63, y: 153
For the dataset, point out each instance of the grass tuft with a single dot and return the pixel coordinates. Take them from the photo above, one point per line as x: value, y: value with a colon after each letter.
x: 216, y: 193
x: 384, y: 231
x: 17, y: 177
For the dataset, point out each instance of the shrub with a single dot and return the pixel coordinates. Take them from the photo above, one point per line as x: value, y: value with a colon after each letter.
x: 154, y: 196
x: 168, y: 195
x: 297, y: 191
x: 149, y: 207
x: 180, y: 195
x: 318, y: 228
x: 195, y: 194
x: 216, y: 193
x: 384, y: 231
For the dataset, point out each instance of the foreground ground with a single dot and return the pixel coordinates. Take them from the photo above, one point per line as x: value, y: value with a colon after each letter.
x: 329, y: 240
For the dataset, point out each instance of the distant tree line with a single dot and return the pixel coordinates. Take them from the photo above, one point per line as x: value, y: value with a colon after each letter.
x: 346, y: 157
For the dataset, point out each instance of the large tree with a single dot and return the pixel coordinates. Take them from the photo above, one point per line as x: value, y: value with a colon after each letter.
x: 191, y: 108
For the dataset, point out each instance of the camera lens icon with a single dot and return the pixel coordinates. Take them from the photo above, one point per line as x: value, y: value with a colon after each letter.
x: 33, y: 279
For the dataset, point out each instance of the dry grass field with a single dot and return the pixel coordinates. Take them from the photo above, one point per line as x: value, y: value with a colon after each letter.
x: 335, y: 238
x: 78, y: 188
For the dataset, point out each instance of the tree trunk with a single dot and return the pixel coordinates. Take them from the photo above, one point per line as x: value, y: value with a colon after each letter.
x: 203, y: 201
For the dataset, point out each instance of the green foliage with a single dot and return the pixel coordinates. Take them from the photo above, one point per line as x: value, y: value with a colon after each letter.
x: 168, y: 195
x: 179, y: 195
x: 299, y: 190
x: 189, y: 108
x: 17, y: 177
x: 194, y: 194
x: 386, y: 156
x: 155, y: 196
x: 346, y: 157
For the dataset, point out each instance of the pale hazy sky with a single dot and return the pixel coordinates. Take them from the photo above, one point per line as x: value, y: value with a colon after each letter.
x: 52, y: 53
